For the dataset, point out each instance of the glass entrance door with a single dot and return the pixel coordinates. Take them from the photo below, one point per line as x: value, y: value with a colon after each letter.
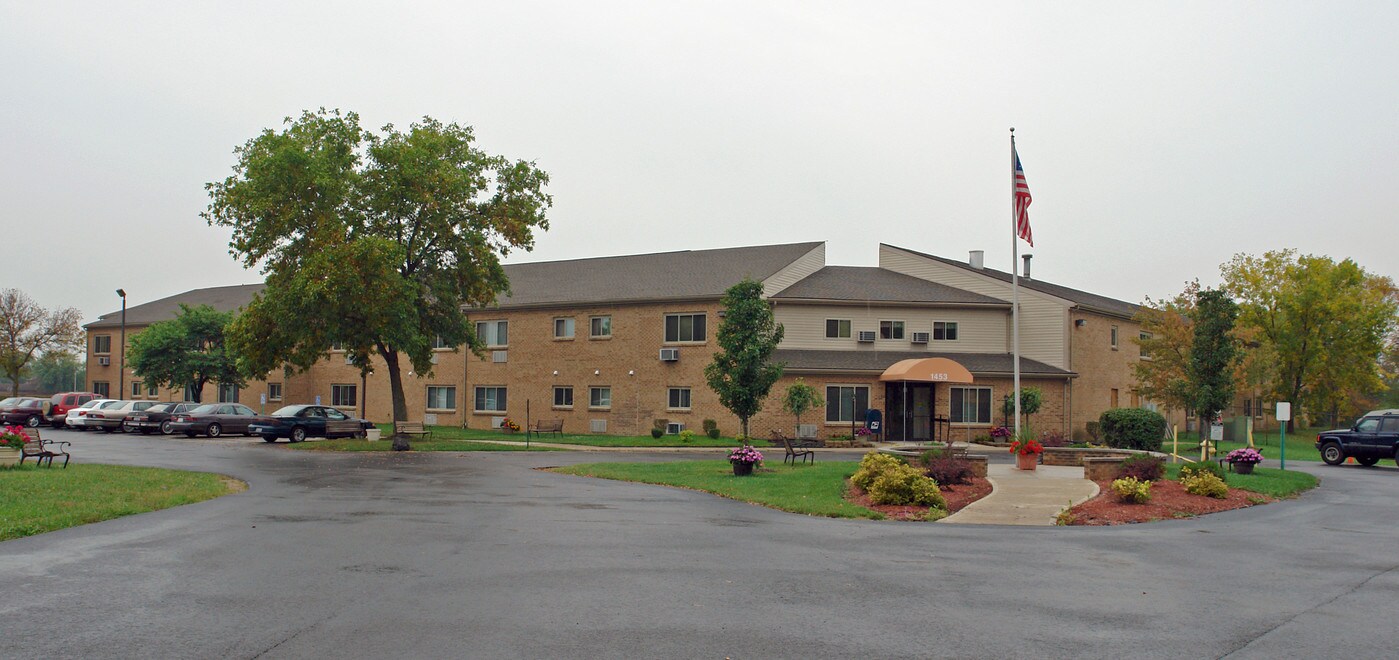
x: 908, y: 412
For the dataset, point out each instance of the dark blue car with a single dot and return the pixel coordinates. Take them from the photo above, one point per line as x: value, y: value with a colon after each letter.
x: 306, y: 421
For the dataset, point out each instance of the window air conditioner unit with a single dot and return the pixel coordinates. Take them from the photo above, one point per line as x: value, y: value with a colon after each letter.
x: 920, y: 337
x: 674, y: 428
x: 429, y: 419
x: 433, y: 359
x: 866, y: 337
x: 496, y: 422
x: 348, y: 360
x: 497, y: 356
x: 597, y: 425
x: 104, y: 361
x: 670, y: 355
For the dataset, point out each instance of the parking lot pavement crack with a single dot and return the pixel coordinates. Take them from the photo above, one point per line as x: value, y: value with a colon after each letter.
x: 1357, y: 587
x: 294, y: 634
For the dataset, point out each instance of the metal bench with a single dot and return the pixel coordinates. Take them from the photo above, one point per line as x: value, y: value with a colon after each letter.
x: 543, y: 426
x: 795, y: 451
x: 42, y: 449
x: 415, y: 429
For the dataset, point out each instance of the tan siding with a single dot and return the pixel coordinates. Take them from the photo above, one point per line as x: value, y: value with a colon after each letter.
x: 978, y: 331
x: 809, y: 263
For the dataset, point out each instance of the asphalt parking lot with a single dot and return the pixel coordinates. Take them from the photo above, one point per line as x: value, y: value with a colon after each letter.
x: 479, y: 555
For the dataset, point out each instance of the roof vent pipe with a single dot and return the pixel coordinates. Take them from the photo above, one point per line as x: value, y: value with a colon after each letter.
x: 977, y: 259
x: 1026, y: 257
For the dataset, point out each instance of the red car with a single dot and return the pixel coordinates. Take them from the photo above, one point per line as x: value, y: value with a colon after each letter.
x: 26, y: 410
x: 61, y: 403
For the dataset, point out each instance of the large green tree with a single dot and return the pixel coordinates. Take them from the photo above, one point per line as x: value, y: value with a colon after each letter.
x: 743, y: 372
x: 190, y: 351
x: 28, y: 330
x: 1325, y: 322
x: 373, y: 242
x: 1214, y: 353
x: 58, y: 370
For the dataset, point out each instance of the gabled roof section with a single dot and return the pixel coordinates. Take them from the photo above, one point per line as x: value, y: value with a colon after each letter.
x: 874, y: 284
x: 1084, y: 299
x: 222, y: 298
x: 685, y: 275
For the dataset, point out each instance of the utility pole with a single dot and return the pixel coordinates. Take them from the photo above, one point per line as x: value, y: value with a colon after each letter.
x: 121, y: 367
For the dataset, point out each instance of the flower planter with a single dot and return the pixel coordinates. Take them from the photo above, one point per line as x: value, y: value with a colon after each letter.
x: 9, y: 456
x: 1027, y: 461
x: 742, y: 468
x: 372, y: 434
x: 1244, y: 468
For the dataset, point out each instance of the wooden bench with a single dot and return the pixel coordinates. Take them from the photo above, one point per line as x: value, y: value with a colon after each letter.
x: 543, y: 426
x: 414, y: 429
x: 41, y: 449
x: 343, y: 428
x: 795, y: 451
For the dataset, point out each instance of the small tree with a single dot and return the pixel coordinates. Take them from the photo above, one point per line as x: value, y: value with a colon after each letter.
x: 186, y: 351
x: 800, y: 398
x: 742, y: 372
x: 1212, y: 356
x: 1031, y: 398
x: 28, y: 330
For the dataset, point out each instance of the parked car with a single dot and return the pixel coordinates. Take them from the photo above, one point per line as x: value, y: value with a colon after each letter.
x: 61, y: 403
x: 1373, y: 437
x: 299, y: 422
x: 77, y: 417
x: 214, y: 420
x: 29, y: 411
x: 113, y: 418
x: 157, y: 417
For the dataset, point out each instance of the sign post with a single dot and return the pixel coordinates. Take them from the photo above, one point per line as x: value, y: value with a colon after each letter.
x: 1284, y: 416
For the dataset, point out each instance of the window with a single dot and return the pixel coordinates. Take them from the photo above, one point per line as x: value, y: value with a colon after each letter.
x: 678, y: 398
x: 135, y: 389
x: 891, y: 329
x: 563, y: 397
x: 101, y: 389
x: 1389, y: 425
x: 563, y: 328
x: 1143, y: 338
x: 102, y: 344
x: 274, y: 391
x: 441, y: 397
x: 337, y: 347
x: 228, y: 392
x: 1368, y: 425
x: 494, y: 333
x: 1112, y: 398
x: 343, y: 395
x: 599, y: 397
x: 837, y: 328
x: 1248, y: 407
x: 152, y: 389
x: 684, y: 327
x: 600, y: 326
x: 1136, y: 400
x: 440, y: 344
x: 944, y: 331
x: 971, y: 405
x: 846, y: 403
x: 1112, y: 336
x: 490, y: 399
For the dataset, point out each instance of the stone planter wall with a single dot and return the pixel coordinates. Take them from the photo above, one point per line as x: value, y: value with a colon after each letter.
x: 977, y: 461
x: 1073, y: 456
x: 1101, y: 468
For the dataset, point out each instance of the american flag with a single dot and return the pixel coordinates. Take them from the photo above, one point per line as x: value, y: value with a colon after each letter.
x: 1022, y: 201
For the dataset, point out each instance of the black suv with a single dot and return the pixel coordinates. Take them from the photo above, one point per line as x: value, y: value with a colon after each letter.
x: 1374, y: 436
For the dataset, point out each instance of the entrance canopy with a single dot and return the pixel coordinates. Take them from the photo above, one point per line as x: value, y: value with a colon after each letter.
x: 927, y: 370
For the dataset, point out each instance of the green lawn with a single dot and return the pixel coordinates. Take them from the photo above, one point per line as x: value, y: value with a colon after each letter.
x: 1268, y: 481
x: 458, y: 433
x: 36, y: 500
x: 816, y: 490
x: 1301, y: 446
x: 386, y: 444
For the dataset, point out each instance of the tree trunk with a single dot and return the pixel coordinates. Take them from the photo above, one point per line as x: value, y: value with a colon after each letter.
x: 400, y: 404
x: 743, y: 422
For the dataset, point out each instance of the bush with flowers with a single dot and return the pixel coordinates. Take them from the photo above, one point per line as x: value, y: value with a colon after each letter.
x: 1246, y: 456
x: 508, y: 424
x: 745, y: 454
x: 862, y: 433
x: 14, y: 437
x: 1001, y: 434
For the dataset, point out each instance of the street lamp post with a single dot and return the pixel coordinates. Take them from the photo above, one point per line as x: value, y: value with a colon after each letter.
x: 121, y: 365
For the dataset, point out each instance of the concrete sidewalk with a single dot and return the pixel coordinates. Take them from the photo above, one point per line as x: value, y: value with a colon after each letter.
x: 1024, y: 497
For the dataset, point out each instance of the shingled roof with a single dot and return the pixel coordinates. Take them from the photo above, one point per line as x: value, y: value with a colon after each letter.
x: 222, y: 298
x: 1091, y: 301
x: 685, y: 275
x: 980, y: 364
x: 872, y: 284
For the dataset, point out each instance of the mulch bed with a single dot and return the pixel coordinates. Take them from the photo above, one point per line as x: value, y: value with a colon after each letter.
x: 957, y: 497
x: 1168, y: 500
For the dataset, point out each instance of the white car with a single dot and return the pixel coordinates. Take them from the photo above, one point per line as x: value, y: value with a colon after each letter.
x: 77, y: 417
x: 112, y: 418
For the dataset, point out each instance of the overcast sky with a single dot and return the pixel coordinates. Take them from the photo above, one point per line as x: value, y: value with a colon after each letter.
x: 1158, y: 139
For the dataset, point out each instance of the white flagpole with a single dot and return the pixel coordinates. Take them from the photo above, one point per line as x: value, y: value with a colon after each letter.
x: 1014, y: 289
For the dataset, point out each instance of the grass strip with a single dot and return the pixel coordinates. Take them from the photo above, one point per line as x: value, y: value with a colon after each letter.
x: 817, y: 490
x: 1267, y: 481
x: 35, y: 500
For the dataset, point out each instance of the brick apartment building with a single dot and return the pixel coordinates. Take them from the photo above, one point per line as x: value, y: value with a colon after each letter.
x: 612, y: 344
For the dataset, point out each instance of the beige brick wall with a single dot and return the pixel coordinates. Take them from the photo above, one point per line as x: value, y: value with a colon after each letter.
x: 1101, y: 368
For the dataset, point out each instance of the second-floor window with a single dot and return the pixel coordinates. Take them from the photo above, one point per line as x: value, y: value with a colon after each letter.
x: 684, y: 327
x: 438, y: 343
x: 837, y: 328
x: 102, y: 344
x: 891, y: 329
x: 493, y: 333
x: 563, y: 328
x: 1112, y: 337
x: 944, y: 331
x: 600, y: 326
